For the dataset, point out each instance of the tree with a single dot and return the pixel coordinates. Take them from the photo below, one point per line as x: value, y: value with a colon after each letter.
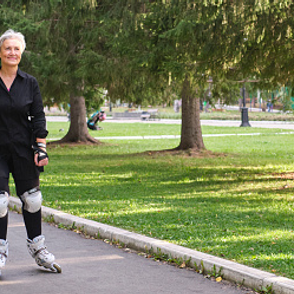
x: 58, y: 35
x: 65, y: 25
x: 189, y: 42
x: 181, y: 42
x: 139, y: 49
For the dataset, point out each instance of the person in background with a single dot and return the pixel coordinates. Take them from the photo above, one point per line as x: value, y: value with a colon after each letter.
x: 96, y: 117
x: 269, y: 106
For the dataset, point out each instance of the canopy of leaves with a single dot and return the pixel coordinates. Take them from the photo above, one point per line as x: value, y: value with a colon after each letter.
x: 140, y: 50
x: 231, y: 41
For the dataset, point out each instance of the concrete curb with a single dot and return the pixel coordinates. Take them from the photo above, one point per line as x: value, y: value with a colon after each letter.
x: 231, y: 271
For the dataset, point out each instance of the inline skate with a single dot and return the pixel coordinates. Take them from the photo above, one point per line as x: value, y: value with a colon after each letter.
x: 3, y: 253
x: 42, y: 256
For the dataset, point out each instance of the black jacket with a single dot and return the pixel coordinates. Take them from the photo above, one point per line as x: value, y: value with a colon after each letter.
x: 22, y: 120
x: 21, y: 111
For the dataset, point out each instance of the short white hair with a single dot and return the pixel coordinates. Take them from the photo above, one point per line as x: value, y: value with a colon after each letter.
x: 11, y: 34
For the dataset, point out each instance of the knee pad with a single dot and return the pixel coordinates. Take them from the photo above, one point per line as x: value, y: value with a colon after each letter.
x: 32, y: 200
x: 4, y: 200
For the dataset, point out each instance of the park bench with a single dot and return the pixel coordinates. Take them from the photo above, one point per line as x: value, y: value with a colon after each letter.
x: 150, y: 114
x: 127, y: 115
x: 153, y: 114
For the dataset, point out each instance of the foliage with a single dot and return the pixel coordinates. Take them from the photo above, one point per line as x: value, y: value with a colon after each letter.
x: 57, y: 33
x: 228, y: 41
x: 61, y: 35
x: 107, y: 43
x: 265, y: 290
x: 94, y: 99
x: 143, y: 51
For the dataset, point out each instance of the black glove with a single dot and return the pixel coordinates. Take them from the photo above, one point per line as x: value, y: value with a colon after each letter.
x: 41, y: 153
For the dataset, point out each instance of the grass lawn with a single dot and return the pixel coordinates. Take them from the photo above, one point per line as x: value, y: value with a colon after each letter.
x: 238, y: 205
x: 59, y: 129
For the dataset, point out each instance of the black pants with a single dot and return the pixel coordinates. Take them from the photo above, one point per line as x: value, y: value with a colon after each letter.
x: 32, y: 220
x: 26, y: 177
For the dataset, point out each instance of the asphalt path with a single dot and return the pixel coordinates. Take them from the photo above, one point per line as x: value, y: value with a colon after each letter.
x: 93, y: 266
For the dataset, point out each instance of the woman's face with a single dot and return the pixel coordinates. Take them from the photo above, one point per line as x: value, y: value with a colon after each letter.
x: 10, y: 52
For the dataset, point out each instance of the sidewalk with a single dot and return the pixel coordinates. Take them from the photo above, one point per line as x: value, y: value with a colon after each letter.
x: 92, y: 266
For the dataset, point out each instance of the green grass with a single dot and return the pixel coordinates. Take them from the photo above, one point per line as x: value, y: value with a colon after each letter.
x: 151, y: 129
x: 238, y: 206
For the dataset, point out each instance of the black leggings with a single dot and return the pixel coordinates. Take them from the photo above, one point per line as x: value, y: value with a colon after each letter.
x: 32, y: 220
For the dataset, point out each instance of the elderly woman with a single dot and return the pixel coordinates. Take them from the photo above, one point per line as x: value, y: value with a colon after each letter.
x: 22, y: 148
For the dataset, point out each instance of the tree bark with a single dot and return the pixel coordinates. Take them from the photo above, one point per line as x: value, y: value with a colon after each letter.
x: 191, y: 135
x: 78, y: 131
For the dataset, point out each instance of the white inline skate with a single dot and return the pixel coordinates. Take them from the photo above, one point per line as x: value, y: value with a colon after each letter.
x: 3, y: 253
x: 38, y: 251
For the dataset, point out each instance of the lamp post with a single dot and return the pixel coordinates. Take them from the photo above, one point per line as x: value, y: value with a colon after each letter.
x: 244, y: 110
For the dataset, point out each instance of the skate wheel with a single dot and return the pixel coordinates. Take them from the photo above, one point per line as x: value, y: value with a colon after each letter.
x: 56, y: 268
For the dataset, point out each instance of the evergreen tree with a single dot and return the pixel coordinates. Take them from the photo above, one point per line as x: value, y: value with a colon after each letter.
x: 186, y: 43
x: 138, y: 50
x: 58, y: 35
x: 180, y: 43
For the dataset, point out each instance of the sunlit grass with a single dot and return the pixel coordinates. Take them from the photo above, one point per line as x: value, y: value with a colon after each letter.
x: 238, y: 205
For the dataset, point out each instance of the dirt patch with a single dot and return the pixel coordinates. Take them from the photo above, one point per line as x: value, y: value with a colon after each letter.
x: 74, y: 144
x: 195, y: 153
x: 287, y: 176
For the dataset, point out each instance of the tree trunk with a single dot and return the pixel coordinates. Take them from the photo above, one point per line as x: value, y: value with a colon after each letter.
x: 191, y: 136
x: 78, y: 131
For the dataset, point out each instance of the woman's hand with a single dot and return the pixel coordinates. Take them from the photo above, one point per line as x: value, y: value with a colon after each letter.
x: 42, y: 162
x: 41, y: 143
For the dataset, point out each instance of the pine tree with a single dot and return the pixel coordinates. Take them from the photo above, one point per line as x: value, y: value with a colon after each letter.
x: 59, y: 36
x: 139, y: 50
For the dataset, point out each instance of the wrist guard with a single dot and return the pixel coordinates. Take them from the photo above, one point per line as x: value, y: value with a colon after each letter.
x: 41, y: 153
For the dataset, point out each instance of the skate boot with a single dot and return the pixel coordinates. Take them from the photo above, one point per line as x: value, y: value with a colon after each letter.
x: 38, y: 251
x: 3, y: 253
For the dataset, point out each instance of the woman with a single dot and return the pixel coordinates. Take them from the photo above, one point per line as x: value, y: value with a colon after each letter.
x: 22, y: 125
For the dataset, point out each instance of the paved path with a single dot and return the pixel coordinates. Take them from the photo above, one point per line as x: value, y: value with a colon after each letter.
x: 92, y: 266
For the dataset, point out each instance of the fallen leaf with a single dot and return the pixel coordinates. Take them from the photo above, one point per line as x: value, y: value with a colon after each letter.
x: 219, y: 279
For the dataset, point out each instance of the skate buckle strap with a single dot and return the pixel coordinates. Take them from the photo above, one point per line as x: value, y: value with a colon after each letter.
x: 43, y: 248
